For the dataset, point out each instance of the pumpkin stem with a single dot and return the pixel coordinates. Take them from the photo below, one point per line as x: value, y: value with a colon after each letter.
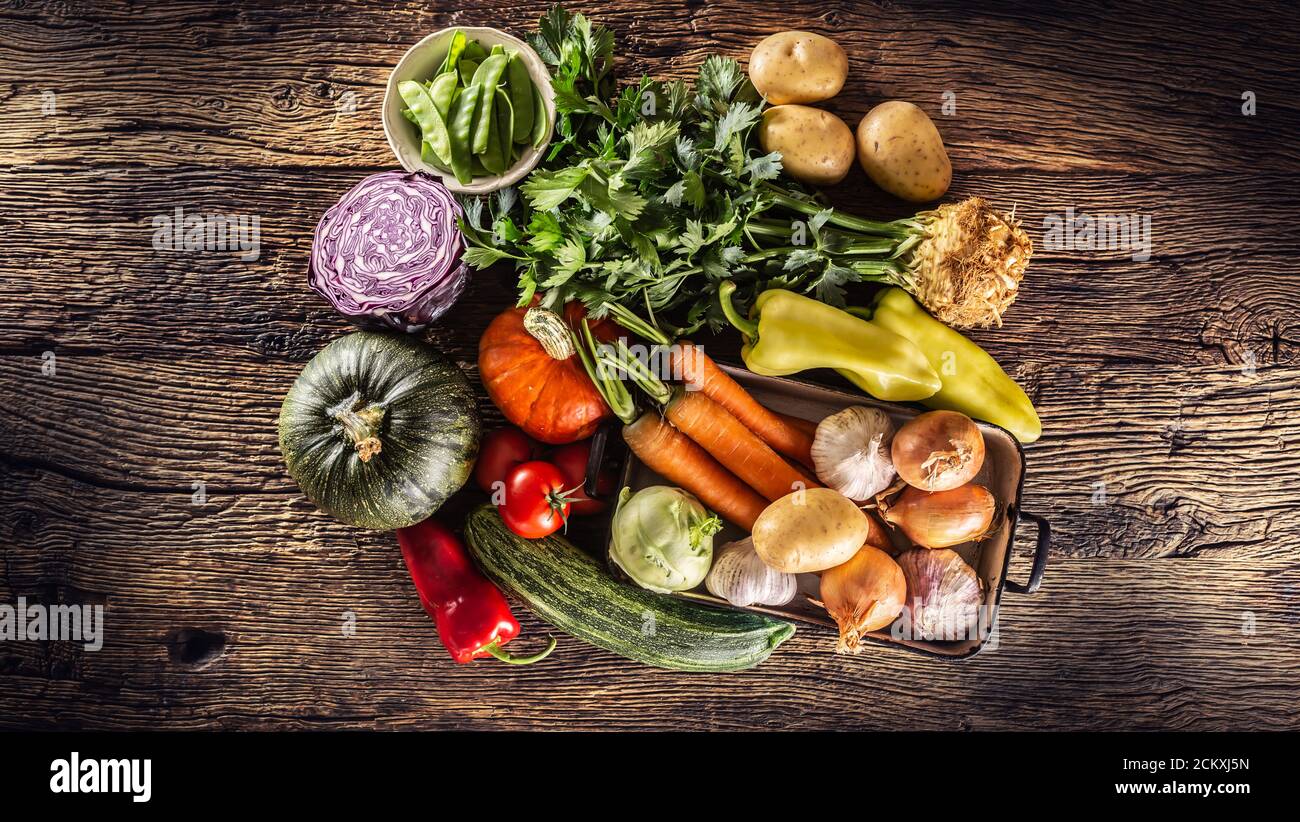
x: 550, y: 331
x: 361, y: 424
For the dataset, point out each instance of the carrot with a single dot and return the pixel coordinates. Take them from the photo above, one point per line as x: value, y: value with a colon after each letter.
x: 701, y: 373
x: 808, y: 479
x: 807, y: 426
x: 671, y: 454
x: 732, y: 444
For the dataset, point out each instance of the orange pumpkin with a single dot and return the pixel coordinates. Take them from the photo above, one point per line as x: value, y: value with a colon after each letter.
x: 534, y: 376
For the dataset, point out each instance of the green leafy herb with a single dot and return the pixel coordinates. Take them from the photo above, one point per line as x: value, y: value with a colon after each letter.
x: 652, y: 196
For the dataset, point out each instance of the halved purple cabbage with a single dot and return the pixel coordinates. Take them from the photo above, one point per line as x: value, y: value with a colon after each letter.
x: 389, y: 252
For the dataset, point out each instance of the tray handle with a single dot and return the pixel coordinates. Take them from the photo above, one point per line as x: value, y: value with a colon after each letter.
x: 596, y: 458
x: 1040, y: 555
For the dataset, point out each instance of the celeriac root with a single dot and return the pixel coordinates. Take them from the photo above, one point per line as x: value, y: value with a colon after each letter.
x: 968, y: 270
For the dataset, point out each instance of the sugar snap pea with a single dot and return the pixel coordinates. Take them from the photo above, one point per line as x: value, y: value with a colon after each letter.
x: 521, y: 98
x: 455, y: 50
x: 493, y: 158
x: 506, y: 122
x: 541, y: 127
x: 489, y: 77
x: 504, y: 126
x: 467, y: 69
x: 433, y: 130
x: 474, y: 51
x: 477, y: 112
x: 460, y: 133
x: 427, y: 155
x: 442, y: 90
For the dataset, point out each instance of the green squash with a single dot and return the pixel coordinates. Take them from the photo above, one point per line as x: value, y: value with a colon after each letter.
x: 379, y: 429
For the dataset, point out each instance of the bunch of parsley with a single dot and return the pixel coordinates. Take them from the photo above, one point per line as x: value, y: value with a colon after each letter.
x: 650, y: 196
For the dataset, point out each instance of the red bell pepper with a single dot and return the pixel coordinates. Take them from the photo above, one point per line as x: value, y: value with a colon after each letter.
x: 472, y: 616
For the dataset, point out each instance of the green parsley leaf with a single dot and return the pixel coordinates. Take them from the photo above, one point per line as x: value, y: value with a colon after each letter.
x: 547, y: 189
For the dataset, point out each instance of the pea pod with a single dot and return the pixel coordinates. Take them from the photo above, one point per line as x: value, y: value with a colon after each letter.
x: 506, y: 123
x: 474, y: 51
x: 494, y: 158
x: 461, y: 133
x: 427, y: 155
x: 442, y: 90
x: 501, y: 151
x: 468, y: 68
x: 432, y: 128
x: 455, y: 49
x: 541, y: 126
x: 488, y: 76
x: 521, y: 98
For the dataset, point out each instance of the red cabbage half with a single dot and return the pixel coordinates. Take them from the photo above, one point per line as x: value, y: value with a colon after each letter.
x: 388, y: 252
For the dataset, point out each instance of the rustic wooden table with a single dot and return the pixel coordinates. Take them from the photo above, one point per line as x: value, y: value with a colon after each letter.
x: 139, y: 388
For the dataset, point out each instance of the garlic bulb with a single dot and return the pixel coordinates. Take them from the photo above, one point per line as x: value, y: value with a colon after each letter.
x: 741, y: 577
x: 944, y: 594
x: 851, y: 452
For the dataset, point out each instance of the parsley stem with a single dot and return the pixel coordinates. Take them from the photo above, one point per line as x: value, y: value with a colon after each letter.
x: 768, y: 253
x: 838, y: 218
x: 627, y: 318
x: 769, y: 229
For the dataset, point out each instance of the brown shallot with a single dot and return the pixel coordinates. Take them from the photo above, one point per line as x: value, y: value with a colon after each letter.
x: 864, y: 594
x: 938, y: 450
x: 944, y: 518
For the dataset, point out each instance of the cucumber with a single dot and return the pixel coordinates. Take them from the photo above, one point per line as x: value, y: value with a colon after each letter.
x: 571, y: 591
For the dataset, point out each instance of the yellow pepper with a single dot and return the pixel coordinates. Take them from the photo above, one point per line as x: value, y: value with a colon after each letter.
x: 973, y: 382
x: 792, y: 333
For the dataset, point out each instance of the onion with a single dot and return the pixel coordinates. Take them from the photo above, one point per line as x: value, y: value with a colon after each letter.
x: 864, y: 594
x: 876, y: 533
x: 944, y: 518
x: 389, y: 252
x: 938, y: 451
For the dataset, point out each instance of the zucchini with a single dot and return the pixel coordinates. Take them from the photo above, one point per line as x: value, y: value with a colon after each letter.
x: 571, y: 591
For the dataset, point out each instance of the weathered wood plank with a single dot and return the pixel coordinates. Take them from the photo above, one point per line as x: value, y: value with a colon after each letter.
x: 1035, y: 86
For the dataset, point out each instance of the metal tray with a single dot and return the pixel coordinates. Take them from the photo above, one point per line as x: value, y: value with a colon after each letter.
x: 1003, y: 474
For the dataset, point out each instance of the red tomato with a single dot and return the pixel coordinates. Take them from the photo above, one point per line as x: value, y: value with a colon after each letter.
x: 535, y: 504
x: 501, y: 451
x: 572, y: 461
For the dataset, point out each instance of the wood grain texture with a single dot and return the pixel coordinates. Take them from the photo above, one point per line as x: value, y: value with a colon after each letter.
x: 1167, y: 387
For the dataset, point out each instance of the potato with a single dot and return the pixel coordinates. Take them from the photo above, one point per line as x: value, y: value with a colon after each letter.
x: 810, y: 530
x: 797, y: 67
x: 901, y: 151
x: 816, y: 146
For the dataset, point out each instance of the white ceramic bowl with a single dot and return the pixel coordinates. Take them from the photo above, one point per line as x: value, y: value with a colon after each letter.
x: 419, y: 64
